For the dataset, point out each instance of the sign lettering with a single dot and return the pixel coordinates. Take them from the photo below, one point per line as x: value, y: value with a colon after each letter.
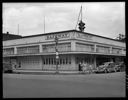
x: 84, y: 36
x: 61, y: 35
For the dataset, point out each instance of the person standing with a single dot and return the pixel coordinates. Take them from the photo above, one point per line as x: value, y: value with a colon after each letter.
x: 19, y: 64
x: 90, y: 68
x: 84, y: 67
x: 80, y: 66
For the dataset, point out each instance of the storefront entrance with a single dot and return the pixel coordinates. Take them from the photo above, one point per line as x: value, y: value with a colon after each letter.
x: 89, y: 59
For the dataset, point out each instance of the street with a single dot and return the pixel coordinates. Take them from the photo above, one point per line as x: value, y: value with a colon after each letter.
x: 50, y: 86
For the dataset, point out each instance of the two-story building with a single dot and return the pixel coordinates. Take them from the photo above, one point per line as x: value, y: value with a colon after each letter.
x: 37, y: 52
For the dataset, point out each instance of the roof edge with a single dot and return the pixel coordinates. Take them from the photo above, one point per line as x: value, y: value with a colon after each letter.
x: 73, y: 30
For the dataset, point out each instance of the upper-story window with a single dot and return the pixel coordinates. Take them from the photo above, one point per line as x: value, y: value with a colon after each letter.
x: 116, y: 50
x: 61, y: 47
x: 102, y: 49
x: 84, y: 47
x: 124, y: 51
x: 64, y: 47
x: 28, y: 49
x: 8, y: 51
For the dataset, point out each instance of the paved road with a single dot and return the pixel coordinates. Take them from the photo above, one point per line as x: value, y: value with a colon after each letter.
x: 39, y: 86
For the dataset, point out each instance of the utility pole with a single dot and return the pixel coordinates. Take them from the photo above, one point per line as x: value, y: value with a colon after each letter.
x: 57, y: 54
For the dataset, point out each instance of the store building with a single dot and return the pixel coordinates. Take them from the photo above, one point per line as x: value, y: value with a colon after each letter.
x: 37, y: 52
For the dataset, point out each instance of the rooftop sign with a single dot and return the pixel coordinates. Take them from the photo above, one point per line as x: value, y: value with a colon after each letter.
x: 61, y: 35
x: 84, y: 36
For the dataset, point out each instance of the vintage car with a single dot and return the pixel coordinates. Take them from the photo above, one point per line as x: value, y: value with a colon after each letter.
x: 107, y: 67
x: 7, y: 68
x: 120, y: 66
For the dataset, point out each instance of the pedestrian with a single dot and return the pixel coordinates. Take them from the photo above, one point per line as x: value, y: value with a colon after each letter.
x: 19, y: 64
x: 84, y: 67
x: 15, y: 66
x: 90, y: 68
x: 80, y: 66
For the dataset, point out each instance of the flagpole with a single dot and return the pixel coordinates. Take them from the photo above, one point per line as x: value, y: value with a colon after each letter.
x: 18, y: 29
x: 81, y: 12
x: 44, y: 24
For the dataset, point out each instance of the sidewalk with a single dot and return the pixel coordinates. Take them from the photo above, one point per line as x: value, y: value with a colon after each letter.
x: 43, y: 72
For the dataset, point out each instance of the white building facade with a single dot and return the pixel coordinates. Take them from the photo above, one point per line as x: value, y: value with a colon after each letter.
x: 37, y: 52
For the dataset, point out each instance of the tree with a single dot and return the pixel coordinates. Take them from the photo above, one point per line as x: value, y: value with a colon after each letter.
x: 121, y: 38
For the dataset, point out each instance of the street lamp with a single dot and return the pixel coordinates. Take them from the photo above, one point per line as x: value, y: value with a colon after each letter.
x: 57, y: 54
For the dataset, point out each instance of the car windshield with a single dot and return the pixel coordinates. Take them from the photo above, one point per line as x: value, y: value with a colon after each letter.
x: 106, y: 63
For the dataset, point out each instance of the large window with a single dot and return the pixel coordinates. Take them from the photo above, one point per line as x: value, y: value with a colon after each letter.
x: 124, y: 51
x: 48, y: 48
x: 61, y: 47
x: 116, y: 50
x: 64, y: 47
x: 8, y: 51
x: 30, y: 61
x: 84, y: 47
x: 102, y: 49
x: 28, y: 49
x: 52, y: 60
x: 81, y: 59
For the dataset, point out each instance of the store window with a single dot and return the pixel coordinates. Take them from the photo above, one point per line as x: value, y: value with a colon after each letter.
x: 69, y: 60
x: 61, y: 47
x: 49, y: 61
x: 46, y: 61
x: 116, y: 50
x: 84, y: 47
x: 52, y: 60
x: 102, y: 49
x: 28, y: 49
x: 66, y: 60
x: 60, y: 61
x: 86, y: 59
x: 8, y: 51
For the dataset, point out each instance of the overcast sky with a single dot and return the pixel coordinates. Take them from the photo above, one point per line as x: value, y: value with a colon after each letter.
x: 101, y: 18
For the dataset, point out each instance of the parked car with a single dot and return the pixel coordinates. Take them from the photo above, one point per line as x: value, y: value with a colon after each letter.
x: 94, y: 70
x: 7, y: 68
x: 107, y: 67
x: 120, y: 66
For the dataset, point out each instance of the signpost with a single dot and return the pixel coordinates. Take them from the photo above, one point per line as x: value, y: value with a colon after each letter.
x: 57, y: 54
